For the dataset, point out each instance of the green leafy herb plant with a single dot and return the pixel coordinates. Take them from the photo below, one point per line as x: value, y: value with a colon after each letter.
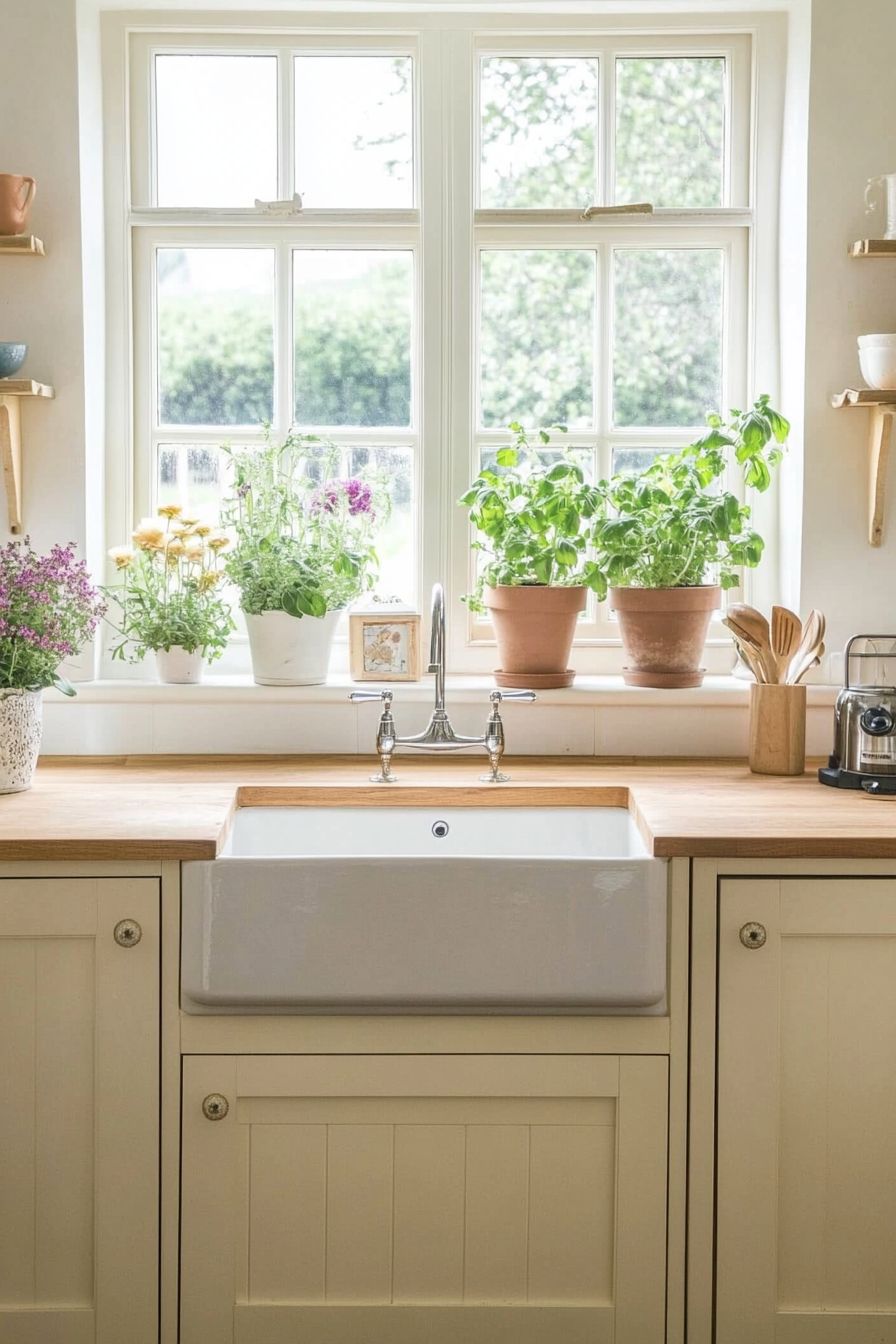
x: 671, y: 526
x: 304, y: 535
x: 531, y: 519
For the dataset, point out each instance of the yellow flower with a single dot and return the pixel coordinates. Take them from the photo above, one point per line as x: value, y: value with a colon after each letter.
x: 206, y: 582
x: 170, y: 510
x: 194, y: 551
x: 218, y: 543
x: 202, y: 530
x: 180, y: 530
x: 149, y: 536
x: 175, y: 546
x: 122, y: 555
x: 189, y: 523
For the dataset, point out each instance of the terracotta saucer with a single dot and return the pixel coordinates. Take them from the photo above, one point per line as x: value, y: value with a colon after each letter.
x: 536, y: 681
x: 671, y: 679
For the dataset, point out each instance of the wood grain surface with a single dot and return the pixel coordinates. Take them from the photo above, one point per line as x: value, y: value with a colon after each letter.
x: 157, y: 807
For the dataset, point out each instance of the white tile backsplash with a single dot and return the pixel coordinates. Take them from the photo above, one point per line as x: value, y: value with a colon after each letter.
x: 600, y: 719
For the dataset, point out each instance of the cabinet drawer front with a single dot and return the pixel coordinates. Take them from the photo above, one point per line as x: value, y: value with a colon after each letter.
x: 457, y: 1199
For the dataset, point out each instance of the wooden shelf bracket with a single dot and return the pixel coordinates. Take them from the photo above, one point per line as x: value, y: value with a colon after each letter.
x: 883, y: 408
x: 11, y: 392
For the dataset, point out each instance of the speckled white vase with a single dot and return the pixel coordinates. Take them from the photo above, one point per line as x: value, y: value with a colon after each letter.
x: 288, y: 651
x: 179, y: 667
x: 21, y: 724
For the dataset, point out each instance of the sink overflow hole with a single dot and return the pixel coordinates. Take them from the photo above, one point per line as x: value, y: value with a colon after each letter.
x: 440, y: 829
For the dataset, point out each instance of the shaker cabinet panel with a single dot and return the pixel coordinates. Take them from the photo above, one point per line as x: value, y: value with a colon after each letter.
x: 460, y: 1200
x: 806, y: 1174
x: 79, y: 1059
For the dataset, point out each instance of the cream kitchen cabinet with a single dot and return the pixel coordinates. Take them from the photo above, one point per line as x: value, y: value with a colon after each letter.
x: 392, y: 1198
x: 79, y: 1109
x: 804, y: 1204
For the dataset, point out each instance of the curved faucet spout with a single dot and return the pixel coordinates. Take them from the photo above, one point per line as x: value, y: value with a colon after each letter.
x: 437, y: 645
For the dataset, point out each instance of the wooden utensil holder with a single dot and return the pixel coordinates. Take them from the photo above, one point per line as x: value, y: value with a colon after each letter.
x: 777, y: 729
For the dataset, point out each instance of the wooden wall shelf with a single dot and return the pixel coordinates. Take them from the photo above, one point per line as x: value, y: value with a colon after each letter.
x: 873, y: 247
x: 21, y: 245
x: 883, y: 408
x: 11, y: 392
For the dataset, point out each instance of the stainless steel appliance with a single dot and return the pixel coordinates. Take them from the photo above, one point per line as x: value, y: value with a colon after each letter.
x: 864, y: 755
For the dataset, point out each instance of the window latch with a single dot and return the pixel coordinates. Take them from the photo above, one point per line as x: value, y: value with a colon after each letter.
x: 590, y: 211
x: 287, y: 209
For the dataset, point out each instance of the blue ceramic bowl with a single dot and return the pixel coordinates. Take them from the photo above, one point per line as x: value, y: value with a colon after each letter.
x: 12, y: 357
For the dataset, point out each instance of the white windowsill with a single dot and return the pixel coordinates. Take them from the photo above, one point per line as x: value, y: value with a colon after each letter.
x: 720, y: 691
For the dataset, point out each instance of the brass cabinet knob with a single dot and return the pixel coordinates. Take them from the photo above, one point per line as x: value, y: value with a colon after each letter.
x: 127, y: 933
x: 215, y: 1107
x: 753, y: 935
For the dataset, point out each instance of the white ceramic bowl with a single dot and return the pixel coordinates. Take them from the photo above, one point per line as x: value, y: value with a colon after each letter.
x: 878, y: 365
x: 880, y: 339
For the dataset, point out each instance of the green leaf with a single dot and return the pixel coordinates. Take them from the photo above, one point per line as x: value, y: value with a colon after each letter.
x: 63, y: 685
x: 507, y: 457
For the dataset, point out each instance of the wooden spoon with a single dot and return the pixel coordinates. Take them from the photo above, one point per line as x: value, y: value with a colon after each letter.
x: 751, y: 651
x: 807, y: 667
x: 810, y: 642
x: 786, y: 629
x: 756, y: 626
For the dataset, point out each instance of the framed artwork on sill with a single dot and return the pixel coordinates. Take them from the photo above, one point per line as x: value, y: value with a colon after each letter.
x: 384, y: 647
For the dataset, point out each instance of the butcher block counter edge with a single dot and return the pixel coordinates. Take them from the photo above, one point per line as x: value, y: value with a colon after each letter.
x: 155, y: 807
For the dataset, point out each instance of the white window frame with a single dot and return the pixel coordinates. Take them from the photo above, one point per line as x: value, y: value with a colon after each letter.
x: 446, y: 49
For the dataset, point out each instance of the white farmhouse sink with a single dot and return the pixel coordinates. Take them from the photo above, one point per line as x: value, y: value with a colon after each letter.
x: 403, y: 910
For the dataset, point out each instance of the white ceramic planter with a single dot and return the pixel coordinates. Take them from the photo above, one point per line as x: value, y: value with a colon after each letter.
x: 178, y: 666
x: 21, y: 723
x: 287, y: 651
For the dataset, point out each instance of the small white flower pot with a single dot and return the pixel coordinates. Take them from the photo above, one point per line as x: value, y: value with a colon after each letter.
x: 21, y: 724
x: 178, y: 667
x: 287, y: 651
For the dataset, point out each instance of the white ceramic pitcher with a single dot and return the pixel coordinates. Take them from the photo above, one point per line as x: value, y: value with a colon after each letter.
x: 877, y: 187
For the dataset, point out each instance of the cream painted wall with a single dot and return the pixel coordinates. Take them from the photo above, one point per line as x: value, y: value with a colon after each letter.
x: 41, y: 299
x: 853, y: 102
x: 851, y: 117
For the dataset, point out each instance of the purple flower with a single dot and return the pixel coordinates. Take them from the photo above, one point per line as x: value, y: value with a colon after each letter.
x: 48, y: 610
x: 326, y: 499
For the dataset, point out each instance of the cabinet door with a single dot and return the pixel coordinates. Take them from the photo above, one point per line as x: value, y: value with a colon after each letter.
x: 806, y: 1193
x: 79, y: 1108
x: 451, y: 1199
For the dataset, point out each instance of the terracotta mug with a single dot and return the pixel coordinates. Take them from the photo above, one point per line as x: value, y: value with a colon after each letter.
x: 16, y: 195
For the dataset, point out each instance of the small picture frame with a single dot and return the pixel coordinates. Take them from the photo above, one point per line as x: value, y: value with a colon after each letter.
x: 384, y: 646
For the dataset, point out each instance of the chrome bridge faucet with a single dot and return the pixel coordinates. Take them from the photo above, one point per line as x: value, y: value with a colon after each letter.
x: 438, y: 733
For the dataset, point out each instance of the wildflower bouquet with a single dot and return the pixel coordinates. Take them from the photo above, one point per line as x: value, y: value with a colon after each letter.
x: 304, y: 535
x: 48, y: 612
x: 169, y: 594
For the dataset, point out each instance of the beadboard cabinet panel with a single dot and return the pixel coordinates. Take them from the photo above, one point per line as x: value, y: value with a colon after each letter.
x: 79, y: 1062
x: 453, y: 1199
x: 806, y: 1192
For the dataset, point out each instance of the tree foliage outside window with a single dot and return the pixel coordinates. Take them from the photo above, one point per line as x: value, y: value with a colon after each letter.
x: 537, y: 343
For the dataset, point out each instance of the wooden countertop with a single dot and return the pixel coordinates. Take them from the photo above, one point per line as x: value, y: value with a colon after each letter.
x: 156, y: 807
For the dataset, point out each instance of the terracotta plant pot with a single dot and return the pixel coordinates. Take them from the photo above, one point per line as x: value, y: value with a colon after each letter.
x: 663, y: 633
x: 534, y: 628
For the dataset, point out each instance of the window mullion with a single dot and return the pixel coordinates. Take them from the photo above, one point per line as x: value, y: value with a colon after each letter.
x: 286, y: 130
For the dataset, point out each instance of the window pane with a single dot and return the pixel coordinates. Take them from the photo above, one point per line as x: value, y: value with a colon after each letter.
x: 395, y: 544
x: 354, y: 132
x: 667, y: 353
x: 216, y: 130
x: 670, y: 131
x: 353, y: 337
x: 537, y: 338
x: 192, y: 477
x: 216, y: 343
x: 631, y: 461
x: 539, y: 132
x: 215, y: 335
